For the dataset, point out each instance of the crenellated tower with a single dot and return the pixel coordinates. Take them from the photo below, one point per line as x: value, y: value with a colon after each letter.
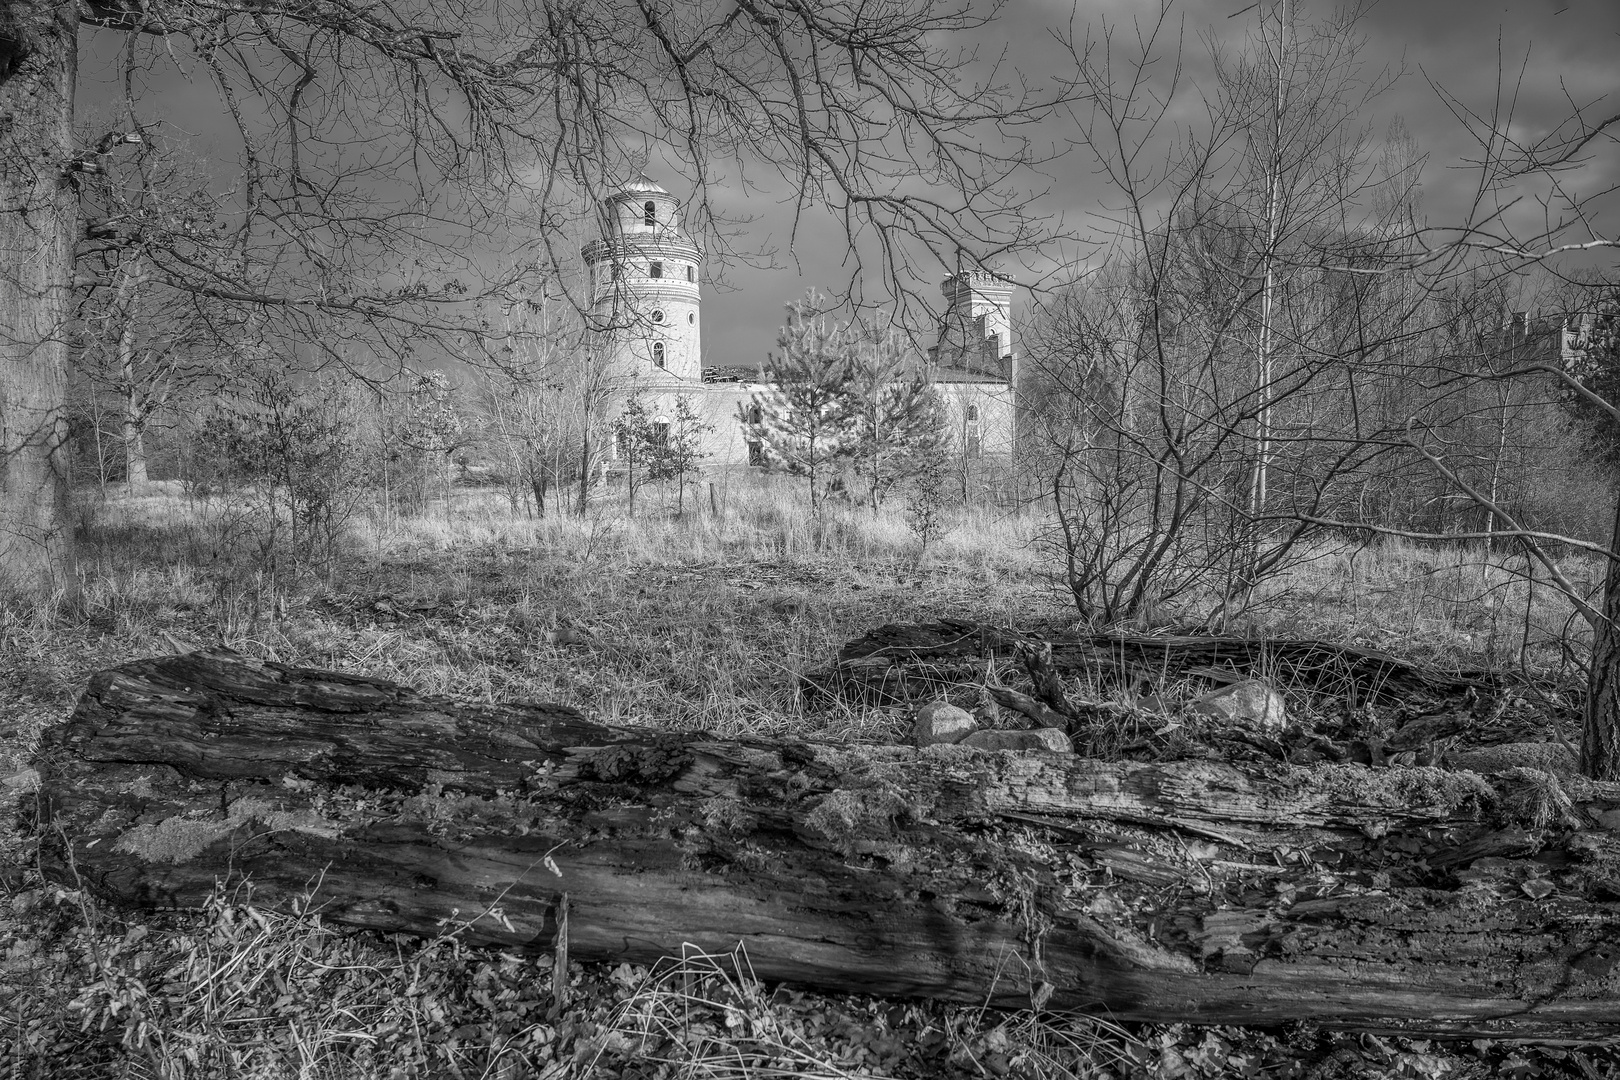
x: 976, y: 333
x: 644, y: 279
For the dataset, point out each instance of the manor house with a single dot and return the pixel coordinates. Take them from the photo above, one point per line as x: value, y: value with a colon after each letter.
x: 647, y: 275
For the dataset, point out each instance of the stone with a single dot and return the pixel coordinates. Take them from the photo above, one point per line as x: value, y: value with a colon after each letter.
x: 1047, y: 739
x: 1250, y: 702
x: 942, y: 722
x: 23, y: 782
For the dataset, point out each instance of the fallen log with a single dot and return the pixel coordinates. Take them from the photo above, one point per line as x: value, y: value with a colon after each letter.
x: 882, y: 663
x: 1190, y: 890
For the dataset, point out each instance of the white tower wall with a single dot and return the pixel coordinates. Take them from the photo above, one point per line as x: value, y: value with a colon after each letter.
x: 645, y: 273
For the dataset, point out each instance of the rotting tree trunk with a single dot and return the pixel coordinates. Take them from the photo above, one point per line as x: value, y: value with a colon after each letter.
x: 38, y: 214
x: 899, y: 661
x: 1600, y: 733
x: 1183, y: 891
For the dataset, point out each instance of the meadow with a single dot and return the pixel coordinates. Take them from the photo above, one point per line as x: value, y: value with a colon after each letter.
x: 699, y: 621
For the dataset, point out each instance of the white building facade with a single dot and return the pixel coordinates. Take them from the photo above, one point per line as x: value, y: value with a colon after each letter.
x: 646, y: 276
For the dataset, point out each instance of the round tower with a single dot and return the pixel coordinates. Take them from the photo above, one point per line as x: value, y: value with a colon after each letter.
x: 644, y: 279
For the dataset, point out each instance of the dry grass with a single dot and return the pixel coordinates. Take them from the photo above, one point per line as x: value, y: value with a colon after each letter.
x: 1452, y: 605
x: 705, y: 1016
x: 696, y: 622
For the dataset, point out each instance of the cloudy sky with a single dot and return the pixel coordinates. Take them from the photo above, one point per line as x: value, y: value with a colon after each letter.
x: 1546, y: 53
x: 1551, y: 52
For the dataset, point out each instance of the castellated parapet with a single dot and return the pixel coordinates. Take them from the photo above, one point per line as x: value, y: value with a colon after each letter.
x: 976, y: 332
x: 645, y: 275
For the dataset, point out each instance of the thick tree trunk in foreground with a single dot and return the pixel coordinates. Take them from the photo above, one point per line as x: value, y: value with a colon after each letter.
x: 38, y: 214
x: 1600, y: 734
x: 1189, y: 890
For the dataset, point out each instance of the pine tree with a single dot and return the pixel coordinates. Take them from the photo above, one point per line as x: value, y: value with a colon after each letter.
x: 899, y: 418
x: 806, y: 423
x: 636, y: 436
x: 677, y: 454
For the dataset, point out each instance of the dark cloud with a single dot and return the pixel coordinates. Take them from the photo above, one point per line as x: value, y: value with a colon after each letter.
x: 1539, y: 55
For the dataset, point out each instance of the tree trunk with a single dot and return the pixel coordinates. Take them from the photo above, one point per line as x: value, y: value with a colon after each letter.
x: 585, y: 469
x: 1600, y: 734
x: 1188, y: 890
x: 537, y: 483
x: 133, y: 422
x: 38, y: 218
x: 906, y: 662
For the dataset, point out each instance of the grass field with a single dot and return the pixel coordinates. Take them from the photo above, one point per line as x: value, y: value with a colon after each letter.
x: 697, y: 622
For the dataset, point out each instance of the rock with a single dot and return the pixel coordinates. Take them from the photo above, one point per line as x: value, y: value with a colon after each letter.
x: 1249, y: 702
x: 23, y: 782
x: 942, y: 722
x: 1048, y: 739
x: 1555, y: 758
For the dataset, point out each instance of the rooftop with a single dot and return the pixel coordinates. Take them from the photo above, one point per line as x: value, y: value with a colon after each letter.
x: 642, y: 185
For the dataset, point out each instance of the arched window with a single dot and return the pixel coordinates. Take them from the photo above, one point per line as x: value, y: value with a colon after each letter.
x: 973, y: 414
x: 658, y: 353
x: 649, y: 213
x: 658, y: 315
x: 691, y: 273
x: 660, y: 433
x: 756, y: 415
x: 655, y: 269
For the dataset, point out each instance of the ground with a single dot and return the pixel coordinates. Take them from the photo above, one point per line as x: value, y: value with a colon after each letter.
x: 701, y: 622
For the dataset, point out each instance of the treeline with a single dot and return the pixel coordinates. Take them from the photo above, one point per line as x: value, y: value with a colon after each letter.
x: 1271, y: 346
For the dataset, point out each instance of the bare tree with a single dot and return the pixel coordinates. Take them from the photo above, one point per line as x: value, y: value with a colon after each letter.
x: 1186, y: 388
x: 1543, y: 202
x: 386, y: 155
x: 139, y: 340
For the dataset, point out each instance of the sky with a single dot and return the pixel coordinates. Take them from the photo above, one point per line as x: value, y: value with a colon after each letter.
x: 1546, y: 53
x: 1458, y: 46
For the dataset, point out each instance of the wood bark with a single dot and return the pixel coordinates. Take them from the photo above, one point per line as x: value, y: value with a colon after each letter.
x: 136, y: 406
x: 899, y: 661
x: 38, y: 216
x: 1600, y: 733
x: 1191, y: 890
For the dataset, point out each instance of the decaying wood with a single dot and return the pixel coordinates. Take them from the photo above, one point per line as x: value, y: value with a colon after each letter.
x: 1190, y: 891
x: 900, y: 661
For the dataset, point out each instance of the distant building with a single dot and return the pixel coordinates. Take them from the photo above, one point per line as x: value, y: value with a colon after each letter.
x: 646, y: 279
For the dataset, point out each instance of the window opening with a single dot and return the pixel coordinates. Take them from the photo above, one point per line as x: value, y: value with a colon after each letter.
x: 691, y: 317
x: 691, y: 273
x: 655, y: 269
x: 658, y: 353
x: 756, y: 452
x: 658, y: 316
x: 660, y: 434
x: 756, y: 415
x: 649, y: 213
x: 617, y: 270
x: 973, y: 414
